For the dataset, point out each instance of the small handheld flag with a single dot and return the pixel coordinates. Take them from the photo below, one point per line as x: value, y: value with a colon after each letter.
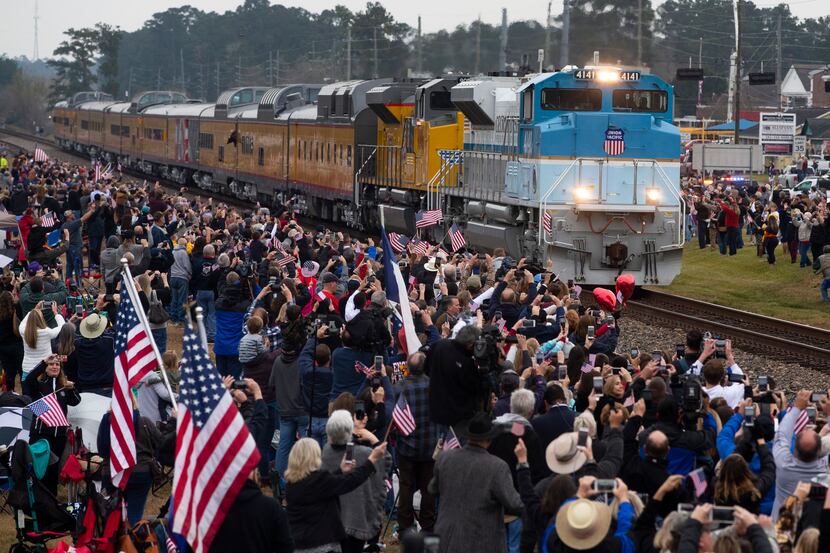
x: 698, y: 477
x: 49, y: 411
x: 457, y: 240
x: 426, y: 219
x: 451, y: 440
x: 402, y: 417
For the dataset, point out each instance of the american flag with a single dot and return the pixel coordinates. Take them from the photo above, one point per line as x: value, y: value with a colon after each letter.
x: 398, y: 241
x: 40, y: 155
x: 614, y: 142
x: 402, y: 417
x: 457, y: 240
x: 285, y: 260
x: 97, y: 171
x: 47, y: 220
x: 107, y: 174
x: 48, y: 410
x: 547, y: 222
x: 442, y: 251
x: 420, y: 247
x: 451, y: 440
x: 426, y: 219
x: 698, y: 477
x: 215, y: 453
x: 171, y: 545
x: 362, y: 369
x: 801, y: 422
x: 134, y: 358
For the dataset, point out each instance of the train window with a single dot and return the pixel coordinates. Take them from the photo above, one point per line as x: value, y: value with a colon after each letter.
x: 527, y: 105
x: 640, y: 100
x: 221, y: 155
x: 260, y: 156
x: 84, y: 124
x: 328, y: 152
x: 440, y: 99
x: 158, y: 134
x: 572, y: 99
x: 242, y: 97
x: 125, y: 130
x: 341, y: 154
x: 259, y: 95
x: 115, y: 130
x: 349, y: 155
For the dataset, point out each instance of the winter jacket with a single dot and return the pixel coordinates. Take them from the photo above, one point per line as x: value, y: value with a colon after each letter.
x: 53, y: 291
x: 344, y: 376
x: 804, y: 226
x: 181, y: 264
x: 259, y: 369
x: 824, y: 265
x: 732, y: 215
x: 315, y: 382
x: 285, y: 381
x: 455, y: 383
x: 684, y: 445
x: 255, y: 522
x: 153, y: 397
x: 95, y: 361
x: 726, y: 446
x: 230, y: 313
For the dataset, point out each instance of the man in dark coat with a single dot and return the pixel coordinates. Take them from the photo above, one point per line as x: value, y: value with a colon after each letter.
x: 455, y: 382
x: 557, y: 420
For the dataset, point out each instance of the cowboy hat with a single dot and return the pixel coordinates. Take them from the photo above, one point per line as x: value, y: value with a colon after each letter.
x: 93, y: 326
x: 562, y: 455
x: 430, y: 265
x: 583, y: 524
x: 481, y: 428
x: 310, y: 269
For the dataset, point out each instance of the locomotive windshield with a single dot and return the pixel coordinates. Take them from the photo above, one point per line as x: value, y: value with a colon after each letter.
x: 572, y: 99
x: 640, y: 100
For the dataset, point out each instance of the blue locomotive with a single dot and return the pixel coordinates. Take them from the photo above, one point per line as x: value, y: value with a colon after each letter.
x: 591, y: 178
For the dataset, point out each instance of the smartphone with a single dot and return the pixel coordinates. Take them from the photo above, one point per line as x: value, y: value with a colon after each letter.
x: 563, y: 372
x: 79, y: 310
x: 432, y: 544
x: 582, y: 437
x: 817, y: 396
x: 239, y: 385
x: 350, y: 452
x: 749, y: 415
x: 634, y: 353
x: 680, y: 350
x: 359, y: 410
x: 591, y: 334
x: 722, y: 514
x: 598, y: 385
x: 518, y: 429
x: 685, y: 507
x: 529, y: 323
x: 747, y: 391
x: 602, y: 485
x: 657, y: 356
x: 497, y: 316
x: 763, y: 384
x: 540, y: 357
x: 811, y: 414
x: 766, y: 408
x: 570, y: 283
x: 734, y: 377
x: 648, y: 396
x: 378, y: 363
x: 615, y: 370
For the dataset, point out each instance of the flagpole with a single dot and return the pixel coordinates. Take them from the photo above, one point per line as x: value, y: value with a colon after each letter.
x: 127, y: 282
x: 200, y: 324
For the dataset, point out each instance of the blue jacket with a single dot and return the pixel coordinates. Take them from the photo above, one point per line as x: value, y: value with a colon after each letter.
x: 726, y: 446
x: 318, y: 379
x: 230, y: 317
x: 344, y: 377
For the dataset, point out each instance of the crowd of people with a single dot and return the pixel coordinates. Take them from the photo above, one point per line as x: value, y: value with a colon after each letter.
x: 515, y: 425
x: 726, y: 214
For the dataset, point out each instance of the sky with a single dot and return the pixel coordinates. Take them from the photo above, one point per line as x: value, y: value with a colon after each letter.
x: 55, y: 16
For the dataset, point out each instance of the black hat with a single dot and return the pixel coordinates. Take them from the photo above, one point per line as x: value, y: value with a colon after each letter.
x: 481, y: 428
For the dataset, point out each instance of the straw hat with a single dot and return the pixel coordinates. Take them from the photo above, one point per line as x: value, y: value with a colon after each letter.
x: 93, y: 326
x: 562, y: 455
x: 431, y: 266
x: 583, y: 524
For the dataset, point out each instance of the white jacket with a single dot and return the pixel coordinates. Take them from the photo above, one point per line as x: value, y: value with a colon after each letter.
x: 43, y: 347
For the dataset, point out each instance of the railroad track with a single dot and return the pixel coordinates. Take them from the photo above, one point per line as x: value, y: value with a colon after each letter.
x: 773, y: 338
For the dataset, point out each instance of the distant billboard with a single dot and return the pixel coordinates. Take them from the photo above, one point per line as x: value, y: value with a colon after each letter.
x: 776, y: 132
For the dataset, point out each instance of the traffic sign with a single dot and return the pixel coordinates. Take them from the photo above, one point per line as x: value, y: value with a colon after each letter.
x: 761, y: 78
x: 689, y: 74
x: 799, y: 145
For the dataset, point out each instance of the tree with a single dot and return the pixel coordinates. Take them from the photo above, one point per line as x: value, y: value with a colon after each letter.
x: 74, y: 66
x: 109, y: 42
x: 8, y: 69
x: 24, y: 101
x: 610, y: 27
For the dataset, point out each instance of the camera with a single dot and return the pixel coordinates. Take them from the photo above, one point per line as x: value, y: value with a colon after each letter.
x: 239, y: 385
x: 591, y: 333
x: 763, y: 384
x: 749, y: 416
x: 598, y: 385
x: 817, y: 396
x: 529, y: 323
x: 350, y: 452
x: 359, y: 410
x: 811, y: 415
x: 604, y: 485
x: 563, y: 372
x: 648, y: 396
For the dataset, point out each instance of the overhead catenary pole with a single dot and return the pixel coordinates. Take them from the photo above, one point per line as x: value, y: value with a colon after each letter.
x: 217, y: 80
x: 270, y: 69
x: 181, y: 64
x: 564, y: 52
x: 478, y: 45
x: 348, y: 53
x: 158, y: 79
x: 420, y: 60
x: 375, y: 53
x: 503, y: 41
x: 737, y: 110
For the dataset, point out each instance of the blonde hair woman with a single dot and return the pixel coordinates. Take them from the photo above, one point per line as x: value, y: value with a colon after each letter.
x: 37, y: 336
x: 313, y: 495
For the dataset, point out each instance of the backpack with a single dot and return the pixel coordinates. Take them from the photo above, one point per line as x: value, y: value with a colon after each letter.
x: 156, y: 314
x: 772, y: 225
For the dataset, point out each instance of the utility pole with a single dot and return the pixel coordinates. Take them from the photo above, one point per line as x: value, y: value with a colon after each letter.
x: 239, y: 70
x: 375, y: 53
x: 270, y: 73
x: 503, y: 42
x: 217, y: 80
x: 202, y: 81
x: 547, y: 35
x: 130, y: 83
x: 478, y: 44
x: 36, y: 54
x: 348, y: 53
x: 639, y: 33
x: 730, y: 102
x: 181, y: 63
x: 737, y: 109
x: 277, y: 69
x: 778, y: 58
x: 158, y: 79
x: 700, y: 65
x: 564, y: 52
x: 420, y: 61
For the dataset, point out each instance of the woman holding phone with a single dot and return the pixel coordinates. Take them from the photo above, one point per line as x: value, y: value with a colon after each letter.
x: 37, y: 336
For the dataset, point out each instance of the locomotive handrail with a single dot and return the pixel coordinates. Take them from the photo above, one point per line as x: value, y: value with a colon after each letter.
x: 359, y: 172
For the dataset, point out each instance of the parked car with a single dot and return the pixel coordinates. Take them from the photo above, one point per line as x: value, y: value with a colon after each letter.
x: 822, y: 184
x: 823, y: 163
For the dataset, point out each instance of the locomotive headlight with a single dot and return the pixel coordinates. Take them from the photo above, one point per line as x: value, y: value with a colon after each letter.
x: 653, y: 195
x: 608, y: 76
x: 582, y: 193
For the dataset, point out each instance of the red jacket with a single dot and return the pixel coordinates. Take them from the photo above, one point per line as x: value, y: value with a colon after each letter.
x: 732, y: 215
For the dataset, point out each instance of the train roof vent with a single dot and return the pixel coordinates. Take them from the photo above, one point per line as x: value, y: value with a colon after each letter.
x: 380, y: 97
x: 477, y: 99
x: 234, y: 98
x: 89, y: 96
x: 143, y: 100
x: 345, y: 99
x: 279, y: 99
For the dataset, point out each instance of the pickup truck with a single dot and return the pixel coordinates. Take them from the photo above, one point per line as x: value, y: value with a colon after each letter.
x: 789, y: 176
x: 823, y: 164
